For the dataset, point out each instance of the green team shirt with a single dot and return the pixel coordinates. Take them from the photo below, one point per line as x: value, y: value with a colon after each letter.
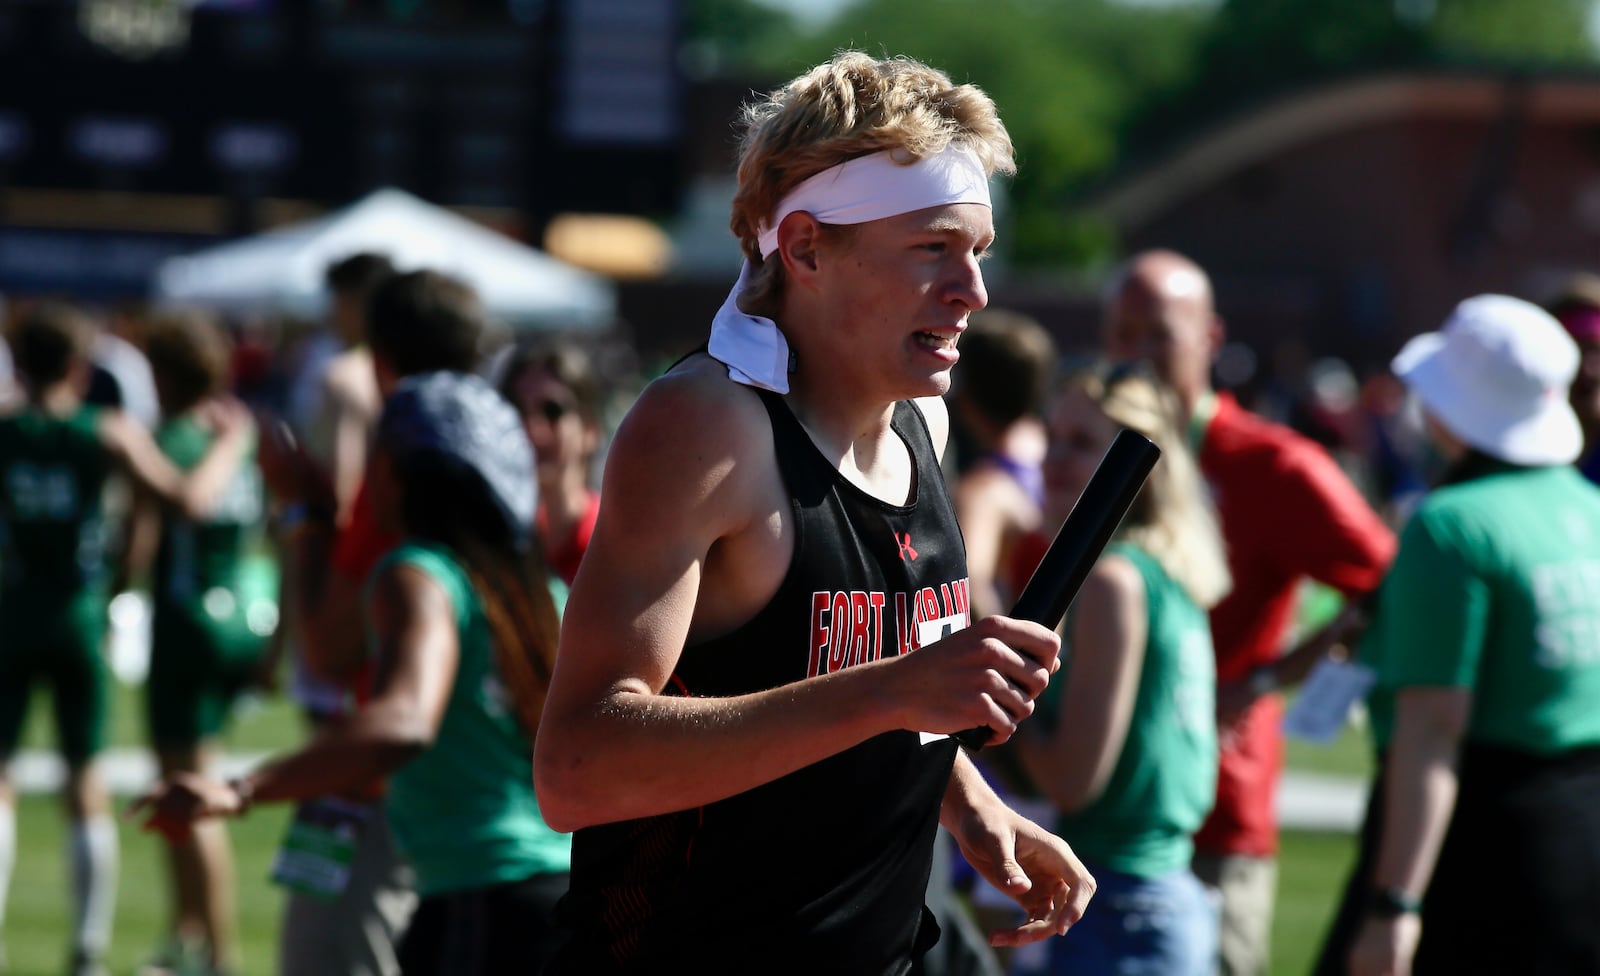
x: 464, y: 811
x: 201, y: 557
x: 1496, y: 589
x: 52, y: 525
x: 1165, y: 780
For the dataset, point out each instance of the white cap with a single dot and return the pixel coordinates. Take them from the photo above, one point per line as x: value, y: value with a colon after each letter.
x: 1496, y: 376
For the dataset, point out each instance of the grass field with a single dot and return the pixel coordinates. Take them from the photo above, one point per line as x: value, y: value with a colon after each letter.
x: 36, y: 924
x: 1312, y: 868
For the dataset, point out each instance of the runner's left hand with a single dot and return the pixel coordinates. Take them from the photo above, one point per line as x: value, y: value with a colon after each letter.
x: 1033, y: 867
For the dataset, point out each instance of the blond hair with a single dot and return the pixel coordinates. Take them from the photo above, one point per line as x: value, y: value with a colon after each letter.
x: 850, y: 106
x: 1173, y: 519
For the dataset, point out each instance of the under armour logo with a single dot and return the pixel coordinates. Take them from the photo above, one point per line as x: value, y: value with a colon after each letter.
x: 904, y: 542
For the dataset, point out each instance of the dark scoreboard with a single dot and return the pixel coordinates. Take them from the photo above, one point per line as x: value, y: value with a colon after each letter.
x: 541, y: 106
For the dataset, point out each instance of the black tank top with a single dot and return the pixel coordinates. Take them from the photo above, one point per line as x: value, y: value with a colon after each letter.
x: 823, y: 870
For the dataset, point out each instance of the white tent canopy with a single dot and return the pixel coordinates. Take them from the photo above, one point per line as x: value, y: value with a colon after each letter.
x: 282, y: 270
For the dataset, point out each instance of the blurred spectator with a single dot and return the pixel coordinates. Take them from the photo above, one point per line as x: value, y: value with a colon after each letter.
x: 1127, y: 753
x: 1287, y: 513
x: 56, y: 454
x: 417, y: 322
x: 1577, y: 308
x: 995, y: 398
x: 334, y: 403
x: 1396, y: 446
x: 1486, y: 711
x: 464, y: 629
x: 555, y: 388
x: 204, y: 650
x: 121, y: 376
x: 256, y: 370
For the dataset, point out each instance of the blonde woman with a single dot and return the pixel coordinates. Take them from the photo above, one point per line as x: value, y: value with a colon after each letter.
x: 1124, y: 744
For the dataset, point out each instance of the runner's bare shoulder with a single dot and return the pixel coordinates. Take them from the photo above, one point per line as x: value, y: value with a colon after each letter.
x: 698, y: 438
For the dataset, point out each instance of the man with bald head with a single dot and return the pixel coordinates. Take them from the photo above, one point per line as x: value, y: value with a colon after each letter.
x: 1287, y: 513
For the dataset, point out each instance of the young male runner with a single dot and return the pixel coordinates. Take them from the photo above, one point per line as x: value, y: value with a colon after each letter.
x: 769, y: 634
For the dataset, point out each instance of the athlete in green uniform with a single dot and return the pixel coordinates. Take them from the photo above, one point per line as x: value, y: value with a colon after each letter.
x: 207, y: 636
x: 55, y: 457
x: 463, y: 628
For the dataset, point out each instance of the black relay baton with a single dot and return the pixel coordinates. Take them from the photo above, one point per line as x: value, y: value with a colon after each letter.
x: 1082, y: 537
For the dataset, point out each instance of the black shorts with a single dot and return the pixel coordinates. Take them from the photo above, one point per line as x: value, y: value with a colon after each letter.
x: 501, y: 929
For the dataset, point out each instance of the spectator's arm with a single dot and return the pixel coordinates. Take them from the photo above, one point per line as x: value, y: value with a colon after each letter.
x: 321, y: 601
x: 352, y: 428
x: 194, y: 491
x: 415, y: 624
x: 1072, y: 762
x: 1418, y: 802
x: 983, y: 515
x: 1332, y: 534
x: 1235, y: 697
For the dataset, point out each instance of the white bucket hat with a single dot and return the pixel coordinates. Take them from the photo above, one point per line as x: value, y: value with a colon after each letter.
x: 1496, y: 376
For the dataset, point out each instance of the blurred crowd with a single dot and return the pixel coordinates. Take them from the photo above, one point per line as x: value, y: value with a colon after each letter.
x: 170, y: 451
x: 424, y: 484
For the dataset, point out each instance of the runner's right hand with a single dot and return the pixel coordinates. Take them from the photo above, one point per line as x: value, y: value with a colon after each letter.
x: 986, y: 675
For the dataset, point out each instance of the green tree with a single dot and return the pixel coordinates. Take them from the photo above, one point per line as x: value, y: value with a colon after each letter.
x: 730, y: 36
x: 1528, y: 32
x: 1089, y: 87
x: 1065, y: 75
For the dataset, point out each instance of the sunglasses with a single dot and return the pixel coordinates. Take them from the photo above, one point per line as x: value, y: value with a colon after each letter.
x: 552, y: 410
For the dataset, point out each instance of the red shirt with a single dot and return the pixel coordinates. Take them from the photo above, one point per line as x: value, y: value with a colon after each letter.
x: 361, y: 543
x: 356, y: 550
x: 565, y: 554
x: 1287, y: 512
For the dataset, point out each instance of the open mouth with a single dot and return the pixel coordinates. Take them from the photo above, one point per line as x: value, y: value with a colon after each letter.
x: 939, y: 341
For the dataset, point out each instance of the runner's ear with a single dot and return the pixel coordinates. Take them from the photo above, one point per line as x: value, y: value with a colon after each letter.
x: 798, y: 239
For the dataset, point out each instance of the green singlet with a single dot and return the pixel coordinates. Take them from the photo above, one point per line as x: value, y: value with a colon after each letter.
x: 53, y: 575
x: 208, y: 629
x: 464, y: 812
x: 1164, y: 781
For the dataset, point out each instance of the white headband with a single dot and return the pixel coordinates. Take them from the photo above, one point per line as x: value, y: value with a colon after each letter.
x: 854, y: 192
x: 873, y: 187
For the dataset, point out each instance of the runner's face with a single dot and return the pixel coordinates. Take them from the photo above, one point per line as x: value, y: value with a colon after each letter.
x: 1080, y: 433
x: 899, y: 291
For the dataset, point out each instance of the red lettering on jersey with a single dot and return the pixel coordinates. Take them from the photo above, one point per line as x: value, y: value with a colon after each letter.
x: 902, y: 624
x: 819, y: 630
x: 860, y: 639
x: 963, y: 599
x: 877, y: 601
x: 928, y: 606
x: 839, y: 637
